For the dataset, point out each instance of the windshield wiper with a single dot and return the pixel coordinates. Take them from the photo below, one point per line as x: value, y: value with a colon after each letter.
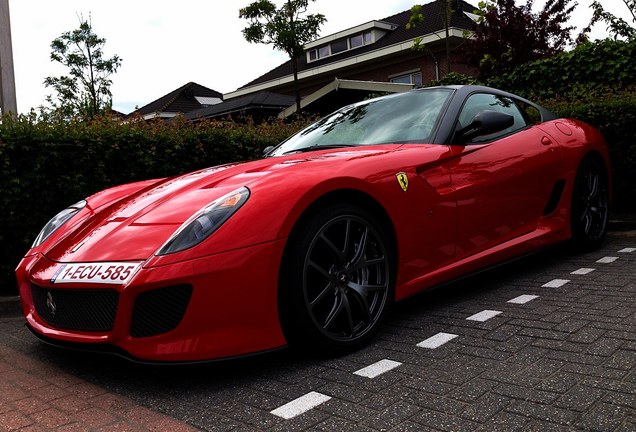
x: 318, y: 147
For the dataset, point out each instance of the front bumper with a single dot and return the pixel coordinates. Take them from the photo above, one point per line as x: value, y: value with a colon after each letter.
x: 231, y: 310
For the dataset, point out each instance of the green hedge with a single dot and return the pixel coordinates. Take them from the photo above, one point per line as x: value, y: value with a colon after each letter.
x: 595, y: 83
x: 48, y: 165
x: 615, y: 117
x: 589, y: 71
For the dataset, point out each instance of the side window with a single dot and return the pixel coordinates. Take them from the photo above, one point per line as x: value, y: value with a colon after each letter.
x: 483, y: 101
x: 532, y: 114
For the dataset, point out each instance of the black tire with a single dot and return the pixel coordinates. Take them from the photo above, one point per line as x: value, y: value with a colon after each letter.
x: 590, y: 205
x: 337, y: 280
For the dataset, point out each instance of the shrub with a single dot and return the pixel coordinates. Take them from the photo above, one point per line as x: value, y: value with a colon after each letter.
x: 48, y: 164
x: 595, y: 83
x: 615, y: 117
x: 454, y: 78
x: 589, y: 71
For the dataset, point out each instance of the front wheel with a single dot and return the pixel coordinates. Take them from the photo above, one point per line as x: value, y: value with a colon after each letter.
x: 590, y: 205
x: 338, y: 279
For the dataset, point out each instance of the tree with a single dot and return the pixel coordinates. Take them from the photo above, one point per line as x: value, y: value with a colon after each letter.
x: 85, y: 91
x: 283, y: 28
x: 508, y: 35
x: 618, y: 27
x: 417, y: 17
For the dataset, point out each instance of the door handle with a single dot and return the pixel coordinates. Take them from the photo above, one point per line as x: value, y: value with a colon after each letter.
x: 546, y: 141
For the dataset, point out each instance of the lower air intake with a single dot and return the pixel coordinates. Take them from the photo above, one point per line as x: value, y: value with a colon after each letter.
x: 160, y: 310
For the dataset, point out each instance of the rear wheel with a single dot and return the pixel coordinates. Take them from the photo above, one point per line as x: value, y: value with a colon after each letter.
x: 590, y: 201
x: 338, y: 279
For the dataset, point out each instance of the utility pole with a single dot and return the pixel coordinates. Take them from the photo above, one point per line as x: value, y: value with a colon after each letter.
x: 8, y: 103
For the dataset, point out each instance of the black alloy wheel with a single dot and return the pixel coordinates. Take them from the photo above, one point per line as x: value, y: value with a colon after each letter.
x: 590, y: 205
x: 341, y: 280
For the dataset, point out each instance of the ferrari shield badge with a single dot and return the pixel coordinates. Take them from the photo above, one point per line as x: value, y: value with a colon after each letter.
x: 403, y: 180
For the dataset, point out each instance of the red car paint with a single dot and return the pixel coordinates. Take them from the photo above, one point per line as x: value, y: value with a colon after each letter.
x: 466, y: 208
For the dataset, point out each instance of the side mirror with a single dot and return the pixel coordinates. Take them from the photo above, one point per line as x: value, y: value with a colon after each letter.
x: 267, y: 150
x: 484, y: 123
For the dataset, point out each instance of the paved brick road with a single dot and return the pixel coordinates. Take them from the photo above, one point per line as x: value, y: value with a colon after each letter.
x: 546, y: 343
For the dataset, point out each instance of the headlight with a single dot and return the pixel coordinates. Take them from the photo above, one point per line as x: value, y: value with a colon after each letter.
x: 57, y: 221
x: 205, y: 222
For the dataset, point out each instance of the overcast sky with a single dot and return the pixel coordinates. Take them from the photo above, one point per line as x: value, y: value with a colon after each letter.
x: 165, y: 43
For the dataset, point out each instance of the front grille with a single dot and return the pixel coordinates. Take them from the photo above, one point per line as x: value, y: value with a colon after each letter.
x: 160, y: 310
x: 80, y: 309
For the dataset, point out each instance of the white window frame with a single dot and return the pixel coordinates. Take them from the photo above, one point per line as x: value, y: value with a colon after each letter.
x: 372, y: 36
x: 410, y: 74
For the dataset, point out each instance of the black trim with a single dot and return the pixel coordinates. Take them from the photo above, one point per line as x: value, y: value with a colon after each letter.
x: 110, y: 349
x: 91, y: 310
x: 446, y: 130
x: 160, y: 310
x: 555, y: 197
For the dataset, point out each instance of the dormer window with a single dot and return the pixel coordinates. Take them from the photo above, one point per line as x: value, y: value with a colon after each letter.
x: 348, y: 40
x: 361, y: 39
x: 341, y: 45
x: 356, y: 41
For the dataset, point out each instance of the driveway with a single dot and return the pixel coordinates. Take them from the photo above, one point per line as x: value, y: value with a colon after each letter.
x: 545, y: 343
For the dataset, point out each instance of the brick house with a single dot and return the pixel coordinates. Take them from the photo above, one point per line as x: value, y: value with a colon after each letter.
x: 374, y: 52
x: 335, y: 70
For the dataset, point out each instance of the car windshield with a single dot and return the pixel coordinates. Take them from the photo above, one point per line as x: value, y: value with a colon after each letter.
x: 400, y: 118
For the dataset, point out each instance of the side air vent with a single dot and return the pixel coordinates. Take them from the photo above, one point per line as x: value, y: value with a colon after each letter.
x: 555, y: 197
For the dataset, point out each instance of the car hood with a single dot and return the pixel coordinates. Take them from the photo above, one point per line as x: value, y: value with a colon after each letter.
x: 135, y: 226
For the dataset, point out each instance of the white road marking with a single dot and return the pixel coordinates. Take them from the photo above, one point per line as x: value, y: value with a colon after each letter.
x: 607, y: 260
x: 313, y: 399
x: 523, y: 299
x: 300, y: 405
x: 377, y: 368
x: 555, y: 283
x: 437, y: 340
x: 483, y: 315
x: 583, y: 271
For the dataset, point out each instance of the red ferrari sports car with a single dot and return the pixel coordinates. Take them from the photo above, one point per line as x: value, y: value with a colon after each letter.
x: 312, y: 243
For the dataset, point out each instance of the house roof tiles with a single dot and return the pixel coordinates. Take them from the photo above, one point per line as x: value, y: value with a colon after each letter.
x: 433, y: 22
x: 261, y: 100
x: 181, y: 100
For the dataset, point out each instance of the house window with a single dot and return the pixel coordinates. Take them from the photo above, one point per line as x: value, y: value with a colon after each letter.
x: 414, y: 78
x: 342, y: 45
x: 356, y: 41
x: 339, y: 46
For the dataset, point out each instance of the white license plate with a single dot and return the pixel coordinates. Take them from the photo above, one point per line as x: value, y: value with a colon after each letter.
x: 112, y: 273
